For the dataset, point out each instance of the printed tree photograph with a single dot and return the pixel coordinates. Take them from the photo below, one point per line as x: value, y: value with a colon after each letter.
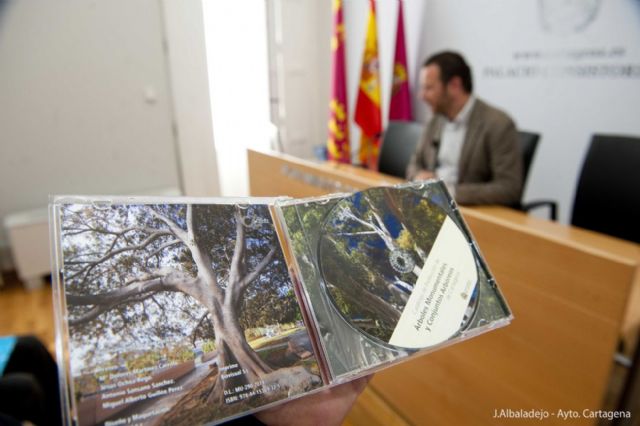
x: 371, y: 252
x: 347, y: 351
x: 359, y: 257
x: 179, y: 312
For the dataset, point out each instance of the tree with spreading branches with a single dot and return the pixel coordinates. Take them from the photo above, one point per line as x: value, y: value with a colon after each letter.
x: 148, y: 274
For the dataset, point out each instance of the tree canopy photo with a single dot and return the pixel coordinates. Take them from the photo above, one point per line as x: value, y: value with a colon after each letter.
x: 138, y: 276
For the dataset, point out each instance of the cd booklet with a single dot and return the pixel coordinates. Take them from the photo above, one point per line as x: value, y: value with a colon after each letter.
x: 183, y: 310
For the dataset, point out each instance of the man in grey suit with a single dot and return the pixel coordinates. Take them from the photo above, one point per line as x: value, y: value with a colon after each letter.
x: 470, y: 145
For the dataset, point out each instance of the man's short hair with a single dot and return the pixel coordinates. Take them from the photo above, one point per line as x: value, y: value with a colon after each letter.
x: 451, y: 65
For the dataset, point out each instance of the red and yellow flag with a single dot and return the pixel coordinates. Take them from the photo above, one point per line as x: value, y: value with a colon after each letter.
x: 400, y: 105
x: 338, y: 142
x: 368, y: 115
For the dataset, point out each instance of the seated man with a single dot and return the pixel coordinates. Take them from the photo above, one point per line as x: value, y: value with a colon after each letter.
x: 473, y: 147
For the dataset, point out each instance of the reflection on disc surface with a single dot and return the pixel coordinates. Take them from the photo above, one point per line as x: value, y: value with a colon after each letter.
x: 372, y: 252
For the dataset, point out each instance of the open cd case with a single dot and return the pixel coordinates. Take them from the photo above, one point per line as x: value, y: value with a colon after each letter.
x: 196, y: 311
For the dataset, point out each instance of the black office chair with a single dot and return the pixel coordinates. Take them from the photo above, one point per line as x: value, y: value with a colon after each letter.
x: 528, y: 145
x: 607, y: 197
x: 399, y: 142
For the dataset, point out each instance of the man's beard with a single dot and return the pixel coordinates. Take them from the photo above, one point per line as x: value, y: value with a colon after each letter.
x: 443, y: 106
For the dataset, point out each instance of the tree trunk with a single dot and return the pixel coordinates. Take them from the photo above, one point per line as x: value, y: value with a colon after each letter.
x: 238, y: 363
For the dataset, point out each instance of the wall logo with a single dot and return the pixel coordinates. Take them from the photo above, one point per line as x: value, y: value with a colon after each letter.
x: 567, y: 16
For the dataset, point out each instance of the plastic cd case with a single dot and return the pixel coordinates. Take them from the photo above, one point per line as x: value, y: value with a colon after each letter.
x: 178, y: 310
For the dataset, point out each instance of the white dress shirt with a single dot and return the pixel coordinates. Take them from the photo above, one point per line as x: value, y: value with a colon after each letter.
x: 451, y: 141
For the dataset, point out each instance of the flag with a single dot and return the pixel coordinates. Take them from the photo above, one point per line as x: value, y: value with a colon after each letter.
x: 368, y: 115
x: 400, y: 105
x: 338, y: 142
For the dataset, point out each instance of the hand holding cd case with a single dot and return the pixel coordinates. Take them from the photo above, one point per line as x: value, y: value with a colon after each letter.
x: 199, y: 310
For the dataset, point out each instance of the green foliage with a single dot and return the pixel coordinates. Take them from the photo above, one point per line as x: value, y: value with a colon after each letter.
x: 209, y: 346
x: 145, y: 360
x: 269, y: 307
x: 153, y: 359
x: 405, y: 240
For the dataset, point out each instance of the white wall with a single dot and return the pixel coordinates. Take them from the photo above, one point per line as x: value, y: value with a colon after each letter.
x: 103, y: 98
x: 236, y: 45
x: 84, y: 101
x: 189, y: 77
x: 299, y: 57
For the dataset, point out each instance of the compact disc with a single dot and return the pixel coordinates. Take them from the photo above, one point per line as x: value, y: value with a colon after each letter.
x: 397, y: 267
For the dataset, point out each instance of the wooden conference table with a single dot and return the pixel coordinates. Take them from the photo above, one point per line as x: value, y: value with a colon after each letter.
x: 573, y: 293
